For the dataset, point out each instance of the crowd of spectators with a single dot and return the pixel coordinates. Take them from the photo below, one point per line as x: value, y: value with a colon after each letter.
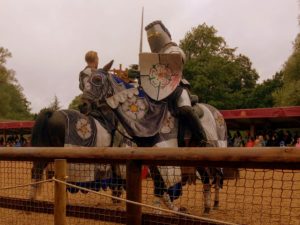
x: 14, y: 141
x: 281, y: 138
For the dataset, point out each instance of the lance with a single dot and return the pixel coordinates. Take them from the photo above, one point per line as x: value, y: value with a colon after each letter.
x: 142, y: 26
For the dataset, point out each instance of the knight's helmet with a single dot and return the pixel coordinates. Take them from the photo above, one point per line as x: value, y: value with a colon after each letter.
x: 160, y: 40
x: 158, y: 36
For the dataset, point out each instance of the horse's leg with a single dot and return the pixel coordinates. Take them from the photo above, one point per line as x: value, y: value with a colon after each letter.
x: 217, y: 199
x: 36, y: 176
x: 117, y: 183
x: 217, y: 192
x: 218, y: 176
x: 206, y: 187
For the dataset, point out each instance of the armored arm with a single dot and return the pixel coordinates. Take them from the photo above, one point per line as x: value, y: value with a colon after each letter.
x: 83, y: 77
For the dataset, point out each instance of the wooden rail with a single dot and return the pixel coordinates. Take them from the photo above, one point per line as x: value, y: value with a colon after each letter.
x: 259, y: 157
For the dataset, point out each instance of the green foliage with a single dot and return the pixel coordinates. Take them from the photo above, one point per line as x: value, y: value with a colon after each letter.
x: 76, y: 102
x: 13, y: 103
x: 54, y: 105
x: 289, y: 94
x: 262, y: 96
x: 217, y: 75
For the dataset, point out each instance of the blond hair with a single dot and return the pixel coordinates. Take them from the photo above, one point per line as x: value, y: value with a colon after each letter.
x: 91, y: 57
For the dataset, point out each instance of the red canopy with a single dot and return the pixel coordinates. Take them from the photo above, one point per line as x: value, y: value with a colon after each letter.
x: 262, y: 118
x: 293, y: 111
x: 16, y: 124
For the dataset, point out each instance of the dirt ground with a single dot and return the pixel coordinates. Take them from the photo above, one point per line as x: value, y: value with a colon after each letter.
x: 257, y: 197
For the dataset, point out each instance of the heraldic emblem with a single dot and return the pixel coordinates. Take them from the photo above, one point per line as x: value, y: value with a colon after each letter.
x: 160, y: 74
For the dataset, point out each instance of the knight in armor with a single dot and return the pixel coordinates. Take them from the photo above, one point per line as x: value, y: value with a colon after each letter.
x: 92, y: 60
x: 99, y: 110
x: 179, y: 103
x: 160, y: 41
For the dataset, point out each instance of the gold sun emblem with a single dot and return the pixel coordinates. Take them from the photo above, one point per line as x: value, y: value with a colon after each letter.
x: 219, y: 120
x: 83, y: 128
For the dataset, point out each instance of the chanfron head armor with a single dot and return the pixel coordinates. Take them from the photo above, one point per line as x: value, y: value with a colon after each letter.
x: 158, y: 36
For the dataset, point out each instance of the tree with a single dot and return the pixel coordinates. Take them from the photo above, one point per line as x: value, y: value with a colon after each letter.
x: 217, y: 75
x: 262, y: 96
x: 14, y: 104
x: 54, y: 105
x: 289, y: 94
x: 76, y: 102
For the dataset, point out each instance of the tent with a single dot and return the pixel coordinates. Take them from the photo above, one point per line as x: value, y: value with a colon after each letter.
x: 263, y: 118
x: 15, y: 127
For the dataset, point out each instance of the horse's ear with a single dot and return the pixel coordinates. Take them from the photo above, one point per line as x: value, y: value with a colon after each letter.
x: 108, y: 66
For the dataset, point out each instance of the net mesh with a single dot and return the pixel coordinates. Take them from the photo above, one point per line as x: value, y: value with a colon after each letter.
x: 248, y: 196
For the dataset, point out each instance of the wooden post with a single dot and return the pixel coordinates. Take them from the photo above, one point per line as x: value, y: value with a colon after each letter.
x: 134, y: 192
x: 60, y: 192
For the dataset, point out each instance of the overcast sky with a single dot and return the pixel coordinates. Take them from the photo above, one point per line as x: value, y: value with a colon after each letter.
x: 48, y: 38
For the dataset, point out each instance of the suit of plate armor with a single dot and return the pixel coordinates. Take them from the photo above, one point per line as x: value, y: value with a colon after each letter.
x: 160, y: 41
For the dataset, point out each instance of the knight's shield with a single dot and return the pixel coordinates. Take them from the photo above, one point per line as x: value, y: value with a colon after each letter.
x: 160, y: 74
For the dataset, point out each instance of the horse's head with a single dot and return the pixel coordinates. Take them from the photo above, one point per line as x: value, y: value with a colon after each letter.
x: 98, y: 86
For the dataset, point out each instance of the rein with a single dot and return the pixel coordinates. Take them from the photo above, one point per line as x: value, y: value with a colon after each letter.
x: 124, y: 135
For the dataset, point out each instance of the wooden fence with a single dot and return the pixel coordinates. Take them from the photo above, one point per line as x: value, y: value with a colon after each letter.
x: 134, y: 158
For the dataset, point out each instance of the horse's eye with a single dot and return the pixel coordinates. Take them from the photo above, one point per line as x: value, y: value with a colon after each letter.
x: 97, y: 80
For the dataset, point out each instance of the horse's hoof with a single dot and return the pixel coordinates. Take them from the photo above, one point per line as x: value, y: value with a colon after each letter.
x: 206, y: 210
x: 84, y: 191
x: 216, y: 205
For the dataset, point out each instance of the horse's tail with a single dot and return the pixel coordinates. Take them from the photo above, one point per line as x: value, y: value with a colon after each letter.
x: 40, y: 134
x: 40, y: 138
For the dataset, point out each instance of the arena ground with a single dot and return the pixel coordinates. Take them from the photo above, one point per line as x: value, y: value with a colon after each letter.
x: 257, y: 197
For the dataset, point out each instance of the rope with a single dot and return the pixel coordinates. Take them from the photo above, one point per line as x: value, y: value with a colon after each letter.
x: 121, y: 199
x: 145, y: 205
x: 24, y: 185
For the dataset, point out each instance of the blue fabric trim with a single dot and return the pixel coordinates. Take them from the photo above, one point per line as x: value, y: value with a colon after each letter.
x: 175, y: 191
x: 128, y: 86
x: 120, y: 81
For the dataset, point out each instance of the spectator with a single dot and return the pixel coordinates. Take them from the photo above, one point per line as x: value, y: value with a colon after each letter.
x: 237, y: 140
x: 18, y: 143
x: 1, y: 141
x: 229, y: 140
x: 282, y: 143
x: 250, y: 142
x: 22, y: 139
x: 298, y: 143
x: 259, y: 141
x: 273, y: 142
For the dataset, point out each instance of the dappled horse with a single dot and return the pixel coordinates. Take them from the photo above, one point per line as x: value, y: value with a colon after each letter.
x: 136, y: 114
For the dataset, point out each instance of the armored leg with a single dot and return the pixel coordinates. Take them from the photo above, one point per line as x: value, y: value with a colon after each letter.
x: 187, y: 113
